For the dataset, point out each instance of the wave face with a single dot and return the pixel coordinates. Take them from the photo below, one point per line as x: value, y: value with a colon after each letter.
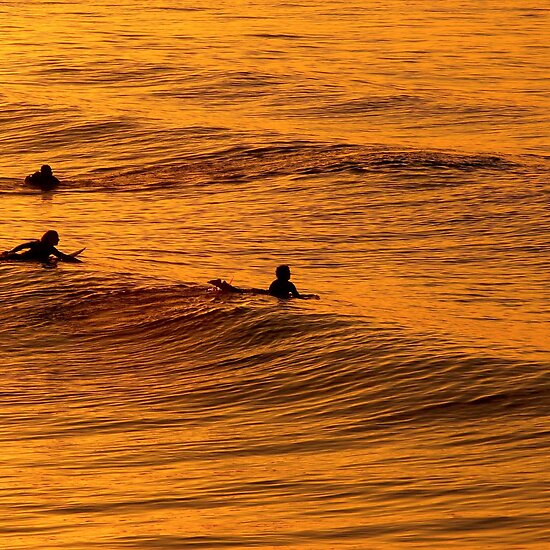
x: 403, y: 179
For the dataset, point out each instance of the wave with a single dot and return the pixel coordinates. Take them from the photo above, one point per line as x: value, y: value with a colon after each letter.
x: 414, y: 106
x: 296, y: 160
x: 343, y: 374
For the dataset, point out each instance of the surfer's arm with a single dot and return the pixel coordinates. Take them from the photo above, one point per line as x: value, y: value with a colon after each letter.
x: 309, y: 297
x: 297, y: 294
x: 294, y: 291
x: 33, y: 178
x: 20, y: 247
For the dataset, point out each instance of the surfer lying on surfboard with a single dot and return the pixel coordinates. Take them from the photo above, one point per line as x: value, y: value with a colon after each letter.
x: 41, y: 250
x: 281, y: 287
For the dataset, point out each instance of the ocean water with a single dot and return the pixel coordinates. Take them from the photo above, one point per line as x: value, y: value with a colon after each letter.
x: 396, y: 155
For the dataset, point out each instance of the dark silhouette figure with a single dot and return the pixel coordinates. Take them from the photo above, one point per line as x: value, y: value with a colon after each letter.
x: 44, y: 179
x: 40, y: 251
x: 281, y: 287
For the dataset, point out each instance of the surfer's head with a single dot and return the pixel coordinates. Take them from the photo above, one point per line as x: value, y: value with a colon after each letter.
x: 283, y: 273
x: 51, y: 237
x: 46, y: 170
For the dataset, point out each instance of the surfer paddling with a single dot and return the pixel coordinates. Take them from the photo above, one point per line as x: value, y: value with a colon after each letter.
x: 282, y: 287
x: 41, y: 250
x: 44, y: 179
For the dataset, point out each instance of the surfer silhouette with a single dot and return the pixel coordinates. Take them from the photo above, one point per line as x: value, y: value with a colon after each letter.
x: 282, y: 287
x: 41, y: 250
x: 44, y: 179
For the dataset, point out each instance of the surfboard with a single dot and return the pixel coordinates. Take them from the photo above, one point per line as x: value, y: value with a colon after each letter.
x: 73, y: 255
x: 224, y: 286
x: 7, y: 257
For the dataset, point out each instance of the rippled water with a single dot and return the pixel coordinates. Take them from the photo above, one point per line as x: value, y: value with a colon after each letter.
x: 396, y: 156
